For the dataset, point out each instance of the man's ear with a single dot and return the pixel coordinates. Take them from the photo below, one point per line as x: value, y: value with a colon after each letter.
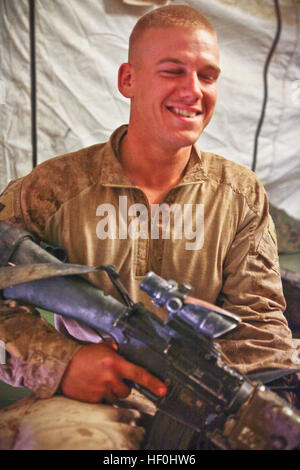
x: 126, y: 80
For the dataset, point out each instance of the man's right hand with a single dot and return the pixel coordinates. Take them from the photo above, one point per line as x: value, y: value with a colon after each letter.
x: 97, y: 372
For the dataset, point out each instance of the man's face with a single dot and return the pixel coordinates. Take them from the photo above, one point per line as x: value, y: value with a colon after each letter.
x: 174, y: 85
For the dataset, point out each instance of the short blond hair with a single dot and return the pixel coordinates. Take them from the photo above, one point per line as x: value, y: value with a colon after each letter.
x: 168, y: 17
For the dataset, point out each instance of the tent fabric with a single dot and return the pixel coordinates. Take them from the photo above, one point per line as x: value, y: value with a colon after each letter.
x: 79, y: 47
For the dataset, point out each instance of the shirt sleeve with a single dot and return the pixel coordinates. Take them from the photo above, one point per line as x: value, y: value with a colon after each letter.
x: 36, y: 355
x: 252, y: 289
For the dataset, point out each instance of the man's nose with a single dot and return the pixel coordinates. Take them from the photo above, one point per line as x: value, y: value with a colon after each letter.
x: 191, y: 87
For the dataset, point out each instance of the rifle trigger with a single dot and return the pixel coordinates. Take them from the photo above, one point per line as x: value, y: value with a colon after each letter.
x: 146, y: 392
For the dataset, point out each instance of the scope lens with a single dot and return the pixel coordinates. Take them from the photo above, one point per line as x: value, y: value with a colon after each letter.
x: 153, y: 284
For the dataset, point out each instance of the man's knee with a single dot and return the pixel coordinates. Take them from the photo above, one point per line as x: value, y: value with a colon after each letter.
x: 59, y: 423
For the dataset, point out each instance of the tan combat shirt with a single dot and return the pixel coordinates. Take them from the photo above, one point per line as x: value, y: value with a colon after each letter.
x: 221, y: 241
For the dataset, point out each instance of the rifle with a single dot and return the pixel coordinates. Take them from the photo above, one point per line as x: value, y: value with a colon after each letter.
x: 205, y: 395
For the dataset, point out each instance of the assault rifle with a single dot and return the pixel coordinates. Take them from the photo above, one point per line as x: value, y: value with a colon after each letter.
x: 205, y: 396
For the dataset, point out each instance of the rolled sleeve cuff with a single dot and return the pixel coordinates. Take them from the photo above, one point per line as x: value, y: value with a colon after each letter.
x: 48, y: 358
x: 37, y: 355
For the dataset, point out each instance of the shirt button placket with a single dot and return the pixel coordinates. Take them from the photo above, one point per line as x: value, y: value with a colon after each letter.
x: 157, y: 245
x: 142, y: 243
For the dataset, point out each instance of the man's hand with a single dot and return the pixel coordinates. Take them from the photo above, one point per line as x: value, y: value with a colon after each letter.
x: 97, y: 372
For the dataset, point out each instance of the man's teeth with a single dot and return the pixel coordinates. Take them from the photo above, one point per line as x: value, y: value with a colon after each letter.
x: 184, y: 112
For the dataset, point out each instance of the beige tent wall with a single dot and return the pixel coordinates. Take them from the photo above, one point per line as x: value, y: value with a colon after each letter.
x: 79, y: 46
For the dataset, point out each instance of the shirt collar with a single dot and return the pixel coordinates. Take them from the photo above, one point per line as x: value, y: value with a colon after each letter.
x: 112, y: 173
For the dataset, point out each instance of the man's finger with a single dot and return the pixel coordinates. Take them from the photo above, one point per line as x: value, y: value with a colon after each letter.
x: 121, y: 389
x: 140, y: 376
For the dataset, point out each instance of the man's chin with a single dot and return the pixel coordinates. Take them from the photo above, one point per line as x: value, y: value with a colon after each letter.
x: 186, y: 139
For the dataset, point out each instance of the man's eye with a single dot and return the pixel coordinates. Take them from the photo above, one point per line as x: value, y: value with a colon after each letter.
x: 173, y: 72
x: 208, y: 78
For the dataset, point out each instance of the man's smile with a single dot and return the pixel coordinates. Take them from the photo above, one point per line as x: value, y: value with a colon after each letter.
x: 188, y: 113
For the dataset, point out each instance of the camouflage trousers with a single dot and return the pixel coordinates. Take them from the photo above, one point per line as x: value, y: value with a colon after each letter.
x: 59, y: 423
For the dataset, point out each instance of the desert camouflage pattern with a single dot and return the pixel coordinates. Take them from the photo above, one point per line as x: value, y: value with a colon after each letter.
x: 36, y: 353
x: 237, y: 267
x: 287, y: 230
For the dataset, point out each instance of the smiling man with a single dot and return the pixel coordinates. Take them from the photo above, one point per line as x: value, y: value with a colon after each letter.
x: 171, y: 81
x: 183, y: 68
